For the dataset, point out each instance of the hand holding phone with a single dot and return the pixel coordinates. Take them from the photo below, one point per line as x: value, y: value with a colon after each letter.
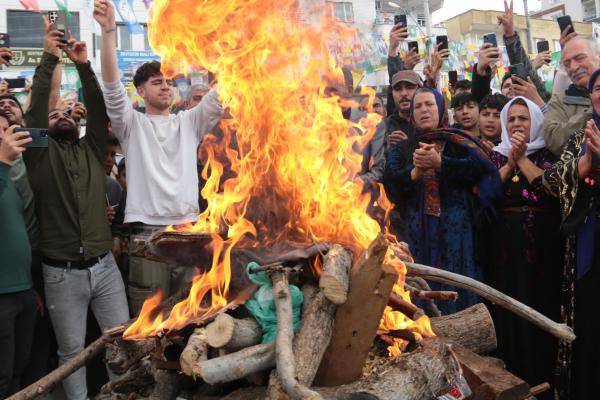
x: 491, y: 39
x: 518, y: 70
x: 400, y: 19
x: 452, y: 77
x: 39, y: 137
x: 565, y: 24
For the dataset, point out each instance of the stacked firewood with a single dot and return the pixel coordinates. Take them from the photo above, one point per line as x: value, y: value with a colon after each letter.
x: 338, y: 352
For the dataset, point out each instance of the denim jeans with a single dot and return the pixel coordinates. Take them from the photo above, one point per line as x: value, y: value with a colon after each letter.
x: 69, y: 293
x: 17, y: 321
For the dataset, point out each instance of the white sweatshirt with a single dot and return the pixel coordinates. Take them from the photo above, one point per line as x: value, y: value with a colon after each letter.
x: 161, y: 156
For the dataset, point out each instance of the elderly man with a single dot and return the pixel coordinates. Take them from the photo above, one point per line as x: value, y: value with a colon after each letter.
x: 195, y: 94
x: 569, y: 111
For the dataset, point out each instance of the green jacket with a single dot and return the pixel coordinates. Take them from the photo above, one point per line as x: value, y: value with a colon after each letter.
x: 15, y: 264
x: 567, y: 113
x: 68, y: 179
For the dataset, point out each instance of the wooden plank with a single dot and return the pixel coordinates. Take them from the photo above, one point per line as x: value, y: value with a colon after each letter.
x: 487, y: 380
x: 357, y: 320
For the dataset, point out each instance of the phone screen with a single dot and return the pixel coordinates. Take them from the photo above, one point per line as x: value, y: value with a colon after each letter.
x: 443, y: 40
x: 400, y: 19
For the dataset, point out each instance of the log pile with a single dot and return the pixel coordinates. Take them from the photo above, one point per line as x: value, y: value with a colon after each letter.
x: 337, y: 353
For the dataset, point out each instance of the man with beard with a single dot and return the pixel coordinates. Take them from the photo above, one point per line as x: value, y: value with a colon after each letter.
x: 69, y: 184
x: 568, y: 112
x: 162, y: 178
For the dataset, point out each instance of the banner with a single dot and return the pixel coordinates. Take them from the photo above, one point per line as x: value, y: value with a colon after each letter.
x: 125, y: 10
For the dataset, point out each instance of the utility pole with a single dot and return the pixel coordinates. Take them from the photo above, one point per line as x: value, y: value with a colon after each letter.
x: 529, y: 44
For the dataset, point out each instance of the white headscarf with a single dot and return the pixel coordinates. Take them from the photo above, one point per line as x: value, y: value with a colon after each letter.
x: 536, y: 133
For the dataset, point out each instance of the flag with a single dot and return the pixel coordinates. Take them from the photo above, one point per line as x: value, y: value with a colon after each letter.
x: 147, y: 3
x: 125, y: 10
x: 62, y: 6
x: 31, y: 5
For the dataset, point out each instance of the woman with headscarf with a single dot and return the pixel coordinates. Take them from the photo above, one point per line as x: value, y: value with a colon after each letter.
x: 441, y: 184
x: 574, y: 179
x: 525, y: 246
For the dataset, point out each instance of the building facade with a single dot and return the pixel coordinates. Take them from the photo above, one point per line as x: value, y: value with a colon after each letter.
x: 469, y: 28
x: 579, y: 10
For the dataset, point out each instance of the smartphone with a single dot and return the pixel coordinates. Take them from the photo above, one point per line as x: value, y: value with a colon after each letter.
x: 39, y: 137
x: 4, y: 40
x: 564, y: 22
x: 413, y: 45
x: 542, y: 46
x: 490, y: 38
x: 453, y: 77
x: 518, y: 70
x: 59, y: 19
x: 15, y: 83
x: 400, y: 19
x: 443, y: 40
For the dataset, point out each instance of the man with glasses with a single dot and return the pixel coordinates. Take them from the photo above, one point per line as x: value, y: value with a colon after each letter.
x: 568, y: 112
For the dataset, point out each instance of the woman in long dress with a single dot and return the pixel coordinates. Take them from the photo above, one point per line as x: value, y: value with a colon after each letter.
x: 525, y: 261
x: 442, y: 188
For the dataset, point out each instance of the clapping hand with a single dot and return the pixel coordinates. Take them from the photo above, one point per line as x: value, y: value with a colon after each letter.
x: 426, y: 157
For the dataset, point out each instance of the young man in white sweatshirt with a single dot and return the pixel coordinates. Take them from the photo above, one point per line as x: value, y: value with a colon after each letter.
x: 160, y: 148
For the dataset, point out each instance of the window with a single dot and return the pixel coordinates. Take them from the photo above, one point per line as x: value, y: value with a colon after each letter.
x: 378, y: 5
x: 26, y: 28
x: 342, y: 11
x: 421, y: 20
x: 123, y: 37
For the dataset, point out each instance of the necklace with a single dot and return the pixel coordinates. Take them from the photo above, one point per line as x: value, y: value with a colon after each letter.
x: 516, y: 178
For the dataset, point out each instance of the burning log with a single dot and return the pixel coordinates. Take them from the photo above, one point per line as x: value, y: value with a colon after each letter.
x: 45, y: 384
x: 397, y: 303
x: 238, y: 365
x: 357, y: 320
x: 233, y: 334
x: 334, y: 280
x: 286, y: 368
x: 472, y: 328
x: 195, y: 351
x: 560, y: 331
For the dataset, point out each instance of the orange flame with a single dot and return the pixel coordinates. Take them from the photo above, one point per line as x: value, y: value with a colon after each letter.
x: 294, y: 173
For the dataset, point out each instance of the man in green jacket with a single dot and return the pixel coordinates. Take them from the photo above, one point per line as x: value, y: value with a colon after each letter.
x: 69, y: 185
x: 17, y: 299
x: 569, y: 112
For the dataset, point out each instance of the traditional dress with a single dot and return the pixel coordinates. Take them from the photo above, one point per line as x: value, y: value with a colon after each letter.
x: 442, y: 208
x: 525, y: 259
x: 579, y: 196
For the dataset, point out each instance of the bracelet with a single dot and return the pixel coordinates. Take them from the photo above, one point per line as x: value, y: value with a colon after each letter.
x: 111, y: 30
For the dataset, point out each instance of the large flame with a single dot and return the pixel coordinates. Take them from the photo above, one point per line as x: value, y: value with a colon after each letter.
x: 297, y: 160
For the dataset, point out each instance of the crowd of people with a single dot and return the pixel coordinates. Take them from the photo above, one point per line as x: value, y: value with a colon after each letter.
x: 504, y: 189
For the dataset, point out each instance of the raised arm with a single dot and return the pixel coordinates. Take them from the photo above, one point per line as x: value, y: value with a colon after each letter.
x: 118, y: 105
x: 104, y: 14
x: 515, y: 50
x: 37, y: 113
x: 97, y: 120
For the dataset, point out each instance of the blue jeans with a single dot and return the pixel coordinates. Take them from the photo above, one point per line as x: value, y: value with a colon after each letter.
x: 69, y: 293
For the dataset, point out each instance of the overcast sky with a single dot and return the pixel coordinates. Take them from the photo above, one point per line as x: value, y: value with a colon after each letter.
x: 455, y: 7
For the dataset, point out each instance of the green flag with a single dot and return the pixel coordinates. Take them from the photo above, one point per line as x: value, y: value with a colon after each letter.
x: 62, y: 6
